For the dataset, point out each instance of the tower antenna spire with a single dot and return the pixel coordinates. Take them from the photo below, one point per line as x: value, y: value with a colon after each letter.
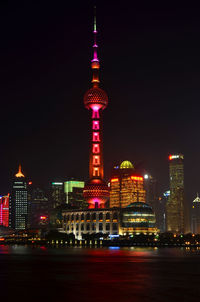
x: 19, y: 174
x: 95, y: 61
x: 95, y: 19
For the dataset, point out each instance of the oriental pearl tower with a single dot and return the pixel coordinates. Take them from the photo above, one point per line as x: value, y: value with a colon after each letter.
x: 96, y: 190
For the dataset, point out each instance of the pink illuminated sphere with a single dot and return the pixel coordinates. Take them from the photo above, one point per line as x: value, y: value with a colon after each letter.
x: 96, y: 192
x: 95, y: 97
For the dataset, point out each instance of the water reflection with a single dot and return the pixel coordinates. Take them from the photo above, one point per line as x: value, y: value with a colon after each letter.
x: 102, y: 274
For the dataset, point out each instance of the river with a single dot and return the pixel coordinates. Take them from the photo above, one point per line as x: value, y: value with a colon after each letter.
x: 30, y: 273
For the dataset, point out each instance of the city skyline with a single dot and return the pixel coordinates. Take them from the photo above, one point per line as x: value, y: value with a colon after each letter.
x: 48, y: 72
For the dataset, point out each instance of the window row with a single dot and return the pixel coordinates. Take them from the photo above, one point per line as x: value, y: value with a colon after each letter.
x: 90, y: 216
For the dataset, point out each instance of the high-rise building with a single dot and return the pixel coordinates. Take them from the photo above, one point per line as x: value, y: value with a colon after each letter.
x: 73, y: 190
x: 57, y: 194
x: 18, y: 205
x: 175, y: 207
x: 4, y: 210
x: 195, y: 216
x: 96, y: 100
x: 126, y: 186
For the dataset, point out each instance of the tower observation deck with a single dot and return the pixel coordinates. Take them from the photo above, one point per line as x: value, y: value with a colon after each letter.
x: 96, y: 100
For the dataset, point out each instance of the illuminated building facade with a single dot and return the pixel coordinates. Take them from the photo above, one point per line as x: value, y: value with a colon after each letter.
x: 18, y: 204
x: 96, y: 100
x: 137, y: 218
x: 126, y: 186
x: 195, y: 216
x: 4, y: 210
x: 175, y: 209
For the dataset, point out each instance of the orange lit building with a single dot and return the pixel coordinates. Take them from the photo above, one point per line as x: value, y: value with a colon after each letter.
x: 126, y: 186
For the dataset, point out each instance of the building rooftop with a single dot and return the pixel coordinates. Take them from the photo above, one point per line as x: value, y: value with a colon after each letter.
x: 126, y: 165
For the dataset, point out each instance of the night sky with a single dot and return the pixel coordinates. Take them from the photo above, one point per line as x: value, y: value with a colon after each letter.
x: 150, y: 68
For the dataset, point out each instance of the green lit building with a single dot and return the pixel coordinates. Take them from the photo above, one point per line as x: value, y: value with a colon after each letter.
x: 73, y: 190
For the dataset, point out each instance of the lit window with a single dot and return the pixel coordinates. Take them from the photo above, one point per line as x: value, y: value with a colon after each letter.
x: 95, y: 114
x: 95, y: 148
x: 95, y: 171
x: 95, y: 125
x: 96, y: 160
x: 96, y: 137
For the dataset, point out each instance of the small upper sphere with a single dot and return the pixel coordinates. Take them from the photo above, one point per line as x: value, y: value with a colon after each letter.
x: 95, y: 96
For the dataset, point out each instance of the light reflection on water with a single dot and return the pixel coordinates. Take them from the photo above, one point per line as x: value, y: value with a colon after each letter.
x: 100, y: 274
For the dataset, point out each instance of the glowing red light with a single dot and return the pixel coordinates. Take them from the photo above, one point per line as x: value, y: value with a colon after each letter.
x: 138, y: 178
x: 43, y: 217
x: 114, y: 179
x: 30, y: 183
x: 4, y: 211
x: 95, y: 148
x: 170, y: 157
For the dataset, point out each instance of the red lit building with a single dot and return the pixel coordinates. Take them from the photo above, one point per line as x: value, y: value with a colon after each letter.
x: 96, y: 100
x: 4, y: 210
x: 126, y: 186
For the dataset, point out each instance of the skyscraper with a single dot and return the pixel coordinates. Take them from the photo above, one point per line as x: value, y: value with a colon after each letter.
x: 195, y: 216
x: 96, y: 100
x: 18, y: 205
x: 126, y: 186
x: 175, y: 207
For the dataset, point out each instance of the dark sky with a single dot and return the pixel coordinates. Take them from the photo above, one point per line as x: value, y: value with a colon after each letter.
x: 150, y: 68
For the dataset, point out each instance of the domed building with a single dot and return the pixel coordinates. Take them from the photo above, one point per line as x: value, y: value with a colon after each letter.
x: 126, y: 165
x: 126, y: 186
x: 137, y: 218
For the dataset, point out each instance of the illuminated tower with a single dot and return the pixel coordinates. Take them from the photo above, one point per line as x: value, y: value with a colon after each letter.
x: 175, y: 207
x: 96, y: 100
